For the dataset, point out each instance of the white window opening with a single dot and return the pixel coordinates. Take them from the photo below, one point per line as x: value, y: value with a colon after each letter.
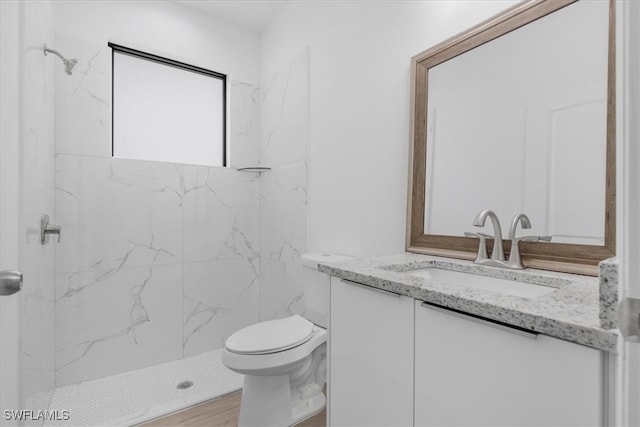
x: 165, y: 110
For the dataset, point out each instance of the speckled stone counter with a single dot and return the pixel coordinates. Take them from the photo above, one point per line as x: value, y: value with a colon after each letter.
x: 571, y: 312
x: 608, y: 274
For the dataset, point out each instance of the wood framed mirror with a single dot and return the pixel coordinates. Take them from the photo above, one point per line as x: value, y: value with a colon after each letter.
x: 517, y: 115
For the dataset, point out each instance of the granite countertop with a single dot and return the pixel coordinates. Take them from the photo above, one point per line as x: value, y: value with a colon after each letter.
x: 572, y: 312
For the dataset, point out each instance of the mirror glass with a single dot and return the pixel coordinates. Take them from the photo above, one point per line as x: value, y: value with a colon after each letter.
x: 519, y: 124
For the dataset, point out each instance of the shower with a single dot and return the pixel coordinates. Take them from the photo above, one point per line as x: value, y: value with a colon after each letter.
x: 68, y: 63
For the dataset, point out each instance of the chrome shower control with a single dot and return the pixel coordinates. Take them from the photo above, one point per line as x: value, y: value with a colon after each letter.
x: 46, y: 229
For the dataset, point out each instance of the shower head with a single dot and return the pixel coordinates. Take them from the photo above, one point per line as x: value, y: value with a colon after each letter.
x: 68, y: 63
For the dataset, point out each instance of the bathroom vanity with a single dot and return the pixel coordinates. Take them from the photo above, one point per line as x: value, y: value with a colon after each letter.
x: 408, y: 347
x: 419, y: 339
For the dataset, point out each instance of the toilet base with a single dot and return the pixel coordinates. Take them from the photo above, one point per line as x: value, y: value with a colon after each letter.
x: 267, y: 401
x: 309, y: 406
x: 282, y: 388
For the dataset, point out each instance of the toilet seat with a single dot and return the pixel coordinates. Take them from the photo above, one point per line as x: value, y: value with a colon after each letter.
x: 271, y: 336
x: 273, y: 363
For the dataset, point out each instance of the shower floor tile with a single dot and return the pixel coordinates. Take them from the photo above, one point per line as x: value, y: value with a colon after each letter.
x: 137, y: 396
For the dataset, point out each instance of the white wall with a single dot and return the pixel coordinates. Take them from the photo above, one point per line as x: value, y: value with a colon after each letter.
x: 359, y: 108
x: 284, y: 144
x: 157, y: 261
x: 164, y: 28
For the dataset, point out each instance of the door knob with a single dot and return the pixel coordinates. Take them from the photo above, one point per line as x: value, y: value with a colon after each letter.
x: 10, y: 282
x: 628, y: 319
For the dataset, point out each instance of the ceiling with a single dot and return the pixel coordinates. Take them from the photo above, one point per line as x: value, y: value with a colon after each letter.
x: 254, y: 15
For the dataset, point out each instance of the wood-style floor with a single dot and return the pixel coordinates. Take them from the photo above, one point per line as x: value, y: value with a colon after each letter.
x: 222, y: 411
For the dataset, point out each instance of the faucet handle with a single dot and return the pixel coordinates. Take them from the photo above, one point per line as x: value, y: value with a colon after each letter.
x: 514, y: 256
x: 482, y: 245
x: 477, y: 235
x: 498, y: 251
x: 534, y: 238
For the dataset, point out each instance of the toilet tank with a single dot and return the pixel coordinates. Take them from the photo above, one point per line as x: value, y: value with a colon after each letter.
x: 316, y: 286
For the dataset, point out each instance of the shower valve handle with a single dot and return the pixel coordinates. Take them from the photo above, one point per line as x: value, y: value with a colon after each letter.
x: 46, y: 229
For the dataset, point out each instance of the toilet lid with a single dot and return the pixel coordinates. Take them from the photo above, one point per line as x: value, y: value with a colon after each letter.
x: 271, y: 336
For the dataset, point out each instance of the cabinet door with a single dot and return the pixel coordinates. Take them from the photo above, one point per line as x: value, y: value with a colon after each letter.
x: 370, y: 357
x: 475, y: 372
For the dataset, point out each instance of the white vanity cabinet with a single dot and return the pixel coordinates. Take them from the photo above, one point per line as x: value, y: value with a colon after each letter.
x: 470, y: 371
x: 371, y: 357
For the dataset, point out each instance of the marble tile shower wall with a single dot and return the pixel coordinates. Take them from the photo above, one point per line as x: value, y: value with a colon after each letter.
x: 283, y: 191
x: 37, y: 261
x: 157, y: 261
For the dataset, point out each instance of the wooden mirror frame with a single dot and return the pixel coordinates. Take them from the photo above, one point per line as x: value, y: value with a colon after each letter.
x: 571, y: 258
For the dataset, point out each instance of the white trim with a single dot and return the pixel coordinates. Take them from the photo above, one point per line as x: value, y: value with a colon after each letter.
x: 626, y: 393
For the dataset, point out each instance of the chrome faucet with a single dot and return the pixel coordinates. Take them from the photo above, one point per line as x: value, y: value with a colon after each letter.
x: 498, y: 252
x: 497, y: 255
x: 514, y: 255
x: 515, y: 261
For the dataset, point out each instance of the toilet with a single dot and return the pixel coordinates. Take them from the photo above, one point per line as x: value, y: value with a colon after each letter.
x: 284, y: 360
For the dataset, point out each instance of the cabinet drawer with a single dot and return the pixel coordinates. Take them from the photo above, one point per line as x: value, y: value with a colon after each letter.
x: 479, y: 373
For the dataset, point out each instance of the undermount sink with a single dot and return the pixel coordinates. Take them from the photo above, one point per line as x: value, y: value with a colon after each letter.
x: 493, y: 284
